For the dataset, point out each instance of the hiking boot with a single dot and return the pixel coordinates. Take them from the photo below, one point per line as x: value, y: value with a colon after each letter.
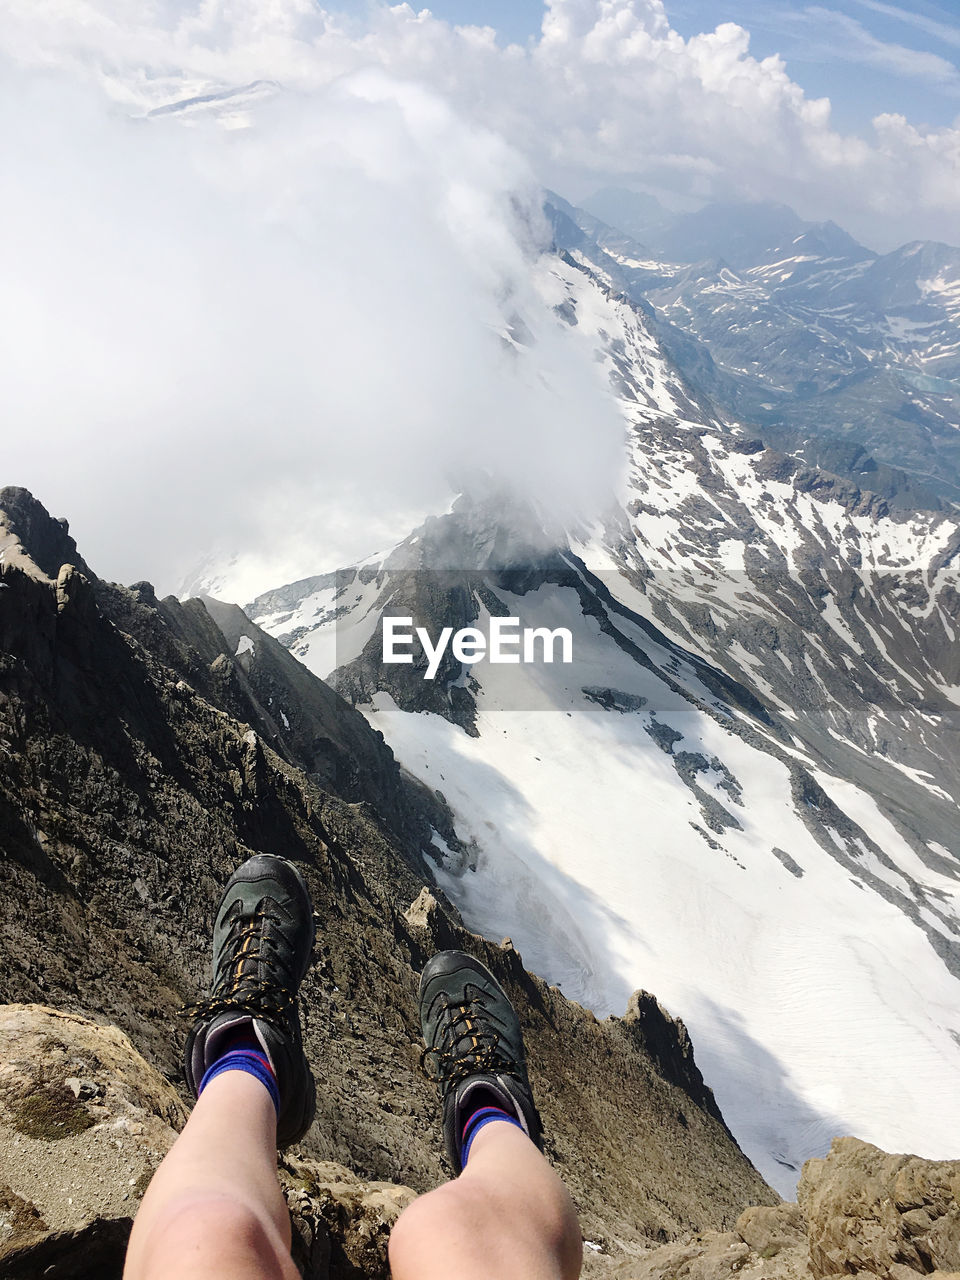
x: 262, y: 944
x: 474, y: 1047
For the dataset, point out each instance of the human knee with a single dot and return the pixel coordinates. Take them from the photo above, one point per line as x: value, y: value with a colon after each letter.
x: 486, y: 1232
x: 428, y: 1226
x: 412, y: 1232
x: 206, y: 1233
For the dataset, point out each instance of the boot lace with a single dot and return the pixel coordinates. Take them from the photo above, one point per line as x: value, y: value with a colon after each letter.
x: 467, y: 1046
x: 240, y: 986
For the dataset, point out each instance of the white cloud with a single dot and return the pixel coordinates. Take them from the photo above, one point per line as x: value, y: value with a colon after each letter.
x: 289, y: 330
x: 282, y: 339
x: 609, y: 90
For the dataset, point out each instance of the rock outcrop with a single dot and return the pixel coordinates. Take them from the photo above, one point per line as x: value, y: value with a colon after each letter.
x: 887, y: 1215
x: 767, y: 1243
x: 860, y: 1212
x: 84, y: 1122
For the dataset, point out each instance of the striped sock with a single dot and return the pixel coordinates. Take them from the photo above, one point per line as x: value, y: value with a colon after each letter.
x: 482, y: 1116
x: 244, y: 1053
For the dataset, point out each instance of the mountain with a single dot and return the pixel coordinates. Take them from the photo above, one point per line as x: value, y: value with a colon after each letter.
x: 742, y: 234
x: 129, y: 787
x: 638, y: 214
x: 739, y: 234
x: 745, y: 235
x: 146, y: 748
x: 741, y: 791
x: 796, y: 328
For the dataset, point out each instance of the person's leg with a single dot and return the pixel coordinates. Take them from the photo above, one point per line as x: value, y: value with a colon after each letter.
x: 214, y: 1207
x: 507, y: 1216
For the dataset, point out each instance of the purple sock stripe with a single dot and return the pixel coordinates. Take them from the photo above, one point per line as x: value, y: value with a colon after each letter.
x: 261, y: 1056
x: 474, y: 1116
x: 253, y: 1063
x: 479, y: 1119
x: 248, y: 1044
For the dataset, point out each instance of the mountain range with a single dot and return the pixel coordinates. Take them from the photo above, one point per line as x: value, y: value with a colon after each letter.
x: 849, y: 357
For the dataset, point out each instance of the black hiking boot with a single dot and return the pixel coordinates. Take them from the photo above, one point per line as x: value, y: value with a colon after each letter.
x: 262, y: 944
x: 473, y: 1044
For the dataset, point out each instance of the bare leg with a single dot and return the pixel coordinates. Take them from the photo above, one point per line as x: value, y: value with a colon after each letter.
x: 214, y: 1208
x: 508, y: 1216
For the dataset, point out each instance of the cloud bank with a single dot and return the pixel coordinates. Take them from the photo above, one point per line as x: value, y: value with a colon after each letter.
x: 285, y: 341
x: 257, y: 256
x: 607, y: 91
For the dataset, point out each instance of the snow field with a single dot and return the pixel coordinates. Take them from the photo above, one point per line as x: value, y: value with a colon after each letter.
x: 587, y: 859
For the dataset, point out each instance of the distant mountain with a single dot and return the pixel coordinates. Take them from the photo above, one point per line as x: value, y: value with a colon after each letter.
x: 800, y: 330
x: 633, y: 212
x: 743, y: 235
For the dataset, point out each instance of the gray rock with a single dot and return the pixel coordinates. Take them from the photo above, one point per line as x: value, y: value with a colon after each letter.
x: 887, y: 1215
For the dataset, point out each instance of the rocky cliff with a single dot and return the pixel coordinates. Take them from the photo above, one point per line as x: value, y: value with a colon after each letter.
x: 145, y: 750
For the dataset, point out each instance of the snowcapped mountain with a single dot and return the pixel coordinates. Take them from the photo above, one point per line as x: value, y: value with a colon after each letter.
x: 799, y: 329
x: 742, y: 791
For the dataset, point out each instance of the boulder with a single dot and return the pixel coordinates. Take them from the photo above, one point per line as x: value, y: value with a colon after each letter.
x: 84, y: 1122
x: 768, y: 1243
x: 341, y: 1223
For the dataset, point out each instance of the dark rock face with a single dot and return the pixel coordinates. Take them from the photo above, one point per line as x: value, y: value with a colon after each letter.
x: 141, y: 760
x: 447, y: 572
x: 48, y: 540
x: 303, y: 720
x: 96, y: 1248
x: 431, y: 600
x: 668, y: 1042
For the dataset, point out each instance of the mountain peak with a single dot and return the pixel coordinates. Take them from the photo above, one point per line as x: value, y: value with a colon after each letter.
x: 634, y: 212
x: 44, y: 538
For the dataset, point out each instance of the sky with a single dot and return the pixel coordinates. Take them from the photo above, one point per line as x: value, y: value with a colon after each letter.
x: 270, y: 326
x: 867, y: 56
